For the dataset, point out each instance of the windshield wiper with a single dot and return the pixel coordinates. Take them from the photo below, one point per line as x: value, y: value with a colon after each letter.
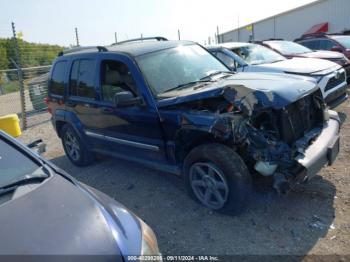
x: 182, y: 86
x: 217, y: 73
x: 36, y: 177
x: 279, y: 60
x: 258, y: 63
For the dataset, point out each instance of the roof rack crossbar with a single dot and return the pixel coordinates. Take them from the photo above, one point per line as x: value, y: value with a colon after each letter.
x: 305, y: 36
x: 81, y: 48
x: 158, y: 38
x: 274, y: 39
x: 268, y: 39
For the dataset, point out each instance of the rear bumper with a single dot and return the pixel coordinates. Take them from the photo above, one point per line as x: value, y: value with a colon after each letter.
x: 324, y: 150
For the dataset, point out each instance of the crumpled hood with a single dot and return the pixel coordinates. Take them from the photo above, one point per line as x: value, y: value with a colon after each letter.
x: 57, y: 217
x: 296, y: 65
x: 322, y: 54
x: 250, y: 90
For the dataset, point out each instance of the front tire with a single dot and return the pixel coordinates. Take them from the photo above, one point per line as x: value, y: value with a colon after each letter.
x: 218, y: 178
x: 75, y: 150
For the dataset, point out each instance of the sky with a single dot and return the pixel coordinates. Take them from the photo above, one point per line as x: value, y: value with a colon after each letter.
x: 53, y: 22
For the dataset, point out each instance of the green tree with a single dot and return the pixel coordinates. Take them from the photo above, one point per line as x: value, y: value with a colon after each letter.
x: 3, y: 58
x: 31, y: 54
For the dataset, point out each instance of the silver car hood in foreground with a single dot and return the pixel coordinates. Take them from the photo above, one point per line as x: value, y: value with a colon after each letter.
x: 61, y: 218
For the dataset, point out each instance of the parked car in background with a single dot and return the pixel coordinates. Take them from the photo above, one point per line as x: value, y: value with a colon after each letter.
x: 174, y: 106
x: 45, y: 211
x: 291, y: 49
x: 330, y: 77
x: 333, y: 42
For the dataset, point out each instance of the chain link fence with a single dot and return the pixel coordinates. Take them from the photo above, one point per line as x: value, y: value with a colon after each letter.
x: 34, y: 93
x: 24, y: 69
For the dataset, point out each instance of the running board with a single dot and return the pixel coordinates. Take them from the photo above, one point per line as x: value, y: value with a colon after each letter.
x: 173, y: 169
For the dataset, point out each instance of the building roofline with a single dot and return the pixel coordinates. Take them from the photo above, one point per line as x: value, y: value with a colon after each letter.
x: 272, y: 16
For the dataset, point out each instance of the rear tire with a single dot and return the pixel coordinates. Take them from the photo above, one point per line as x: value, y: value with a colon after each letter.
x: 75, y: 150
x: 217, y: 177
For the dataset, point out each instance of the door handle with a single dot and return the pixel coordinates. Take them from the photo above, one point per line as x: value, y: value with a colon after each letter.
x: 107, y: 110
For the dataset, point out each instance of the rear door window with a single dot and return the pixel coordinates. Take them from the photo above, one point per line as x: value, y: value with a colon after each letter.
x: 82, y: 79
x: 312, y: 44
x: 57, y: 78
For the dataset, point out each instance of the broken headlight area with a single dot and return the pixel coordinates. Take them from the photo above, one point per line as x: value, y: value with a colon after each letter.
x: 272, y: 139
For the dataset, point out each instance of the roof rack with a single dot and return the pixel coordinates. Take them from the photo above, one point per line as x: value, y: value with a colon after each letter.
x: 255, y: 41
x: 305, y: 36
x: 314, y: 34
x: 262, y: 41
x: 158, y: 38
x: 81, y: 48
x: 274, y: 39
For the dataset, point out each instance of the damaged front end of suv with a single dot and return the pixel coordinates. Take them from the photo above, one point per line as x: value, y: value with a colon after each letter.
x: 279, y: 127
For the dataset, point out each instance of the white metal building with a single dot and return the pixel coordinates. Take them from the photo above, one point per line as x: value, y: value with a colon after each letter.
x: 331, y: 16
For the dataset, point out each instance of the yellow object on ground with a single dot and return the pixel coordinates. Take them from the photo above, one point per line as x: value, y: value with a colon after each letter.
x: 10, y: 124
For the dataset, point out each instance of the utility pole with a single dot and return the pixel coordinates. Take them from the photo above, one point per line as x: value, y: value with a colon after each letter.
x: 141, y: 37
x: 18, y: 65
x: 178, y: 34
x: 217, y: 34
x: 77, y: 36
x: 238, y: 29
x: 253, y: 36
x: 115, y: 37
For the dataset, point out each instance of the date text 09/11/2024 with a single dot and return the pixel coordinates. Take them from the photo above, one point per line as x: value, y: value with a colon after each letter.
x: 172, y: 258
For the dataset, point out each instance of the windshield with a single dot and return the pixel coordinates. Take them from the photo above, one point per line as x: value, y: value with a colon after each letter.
x: 288, y: 48
x: 14, y: 164
x: 166, y: 69
x: 343, y: 40
x: 256, y: 54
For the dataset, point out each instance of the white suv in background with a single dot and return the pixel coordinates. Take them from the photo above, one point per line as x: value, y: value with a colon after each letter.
x: 247, y: 57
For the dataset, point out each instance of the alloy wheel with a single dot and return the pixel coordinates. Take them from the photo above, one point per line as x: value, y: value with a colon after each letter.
x: 72, y: 145
x: 209, y: 184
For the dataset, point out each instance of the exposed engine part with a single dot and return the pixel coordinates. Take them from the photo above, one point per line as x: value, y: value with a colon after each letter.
x: 265, y: 168
x: 262, y: 145
x: 268, y: 138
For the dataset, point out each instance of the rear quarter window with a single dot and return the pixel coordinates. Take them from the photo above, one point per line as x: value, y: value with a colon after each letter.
x: 58, y: 78
x: 326, y: 44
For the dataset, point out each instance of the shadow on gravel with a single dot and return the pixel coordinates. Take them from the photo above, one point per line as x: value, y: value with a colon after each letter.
x: 271, y: 225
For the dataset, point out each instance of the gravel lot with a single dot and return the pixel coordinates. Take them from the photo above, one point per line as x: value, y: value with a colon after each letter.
x: 314, y: 219
x: 11, y: 103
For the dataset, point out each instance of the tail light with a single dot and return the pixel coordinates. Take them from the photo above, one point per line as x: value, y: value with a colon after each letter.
x: 46, y: 101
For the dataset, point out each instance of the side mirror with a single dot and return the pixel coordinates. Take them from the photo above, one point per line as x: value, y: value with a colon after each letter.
x: 38, y: 146
x: 126, y: 98
x: 337, y: 49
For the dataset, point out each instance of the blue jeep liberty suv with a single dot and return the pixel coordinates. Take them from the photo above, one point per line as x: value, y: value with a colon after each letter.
x: 173, y: 106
